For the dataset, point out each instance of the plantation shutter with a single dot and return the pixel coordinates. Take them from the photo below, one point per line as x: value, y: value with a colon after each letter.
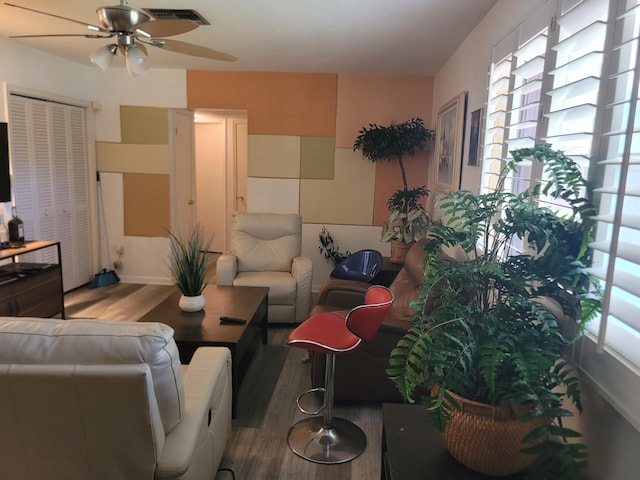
x: 496, y: 122
x: 573, y: 115
x: 616, y: 254
x: 515, y: 103
x: 588, y: 108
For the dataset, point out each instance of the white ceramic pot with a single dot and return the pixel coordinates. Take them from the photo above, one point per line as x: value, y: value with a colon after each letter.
x: 191, y: 304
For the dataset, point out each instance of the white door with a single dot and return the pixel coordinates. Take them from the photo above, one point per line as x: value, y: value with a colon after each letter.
x: 184, y: 217
x: 50, y: 181
x: 218, y: 172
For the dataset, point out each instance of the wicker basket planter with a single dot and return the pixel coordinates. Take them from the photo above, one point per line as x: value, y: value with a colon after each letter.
x: 487, y: 439
x: 399, y: 250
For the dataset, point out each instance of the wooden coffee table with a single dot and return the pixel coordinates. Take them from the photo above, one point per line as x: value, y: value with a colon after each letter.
x: 198, y: 329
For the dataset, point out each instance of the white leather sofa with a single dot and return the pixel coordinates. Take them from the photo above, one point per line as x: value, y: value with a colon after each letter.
x: 265, y: 251
x: 106, y: 400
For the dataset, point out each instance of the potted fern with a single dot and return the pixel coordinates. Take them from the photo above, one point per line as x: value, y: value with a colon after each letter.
x: 491, y: 326
x: 408, y: 220
x: 188, y: 266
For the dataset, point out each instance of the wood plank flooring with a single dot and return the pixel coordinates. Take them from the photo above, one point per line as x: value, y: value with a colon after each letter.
x: 258, y: 447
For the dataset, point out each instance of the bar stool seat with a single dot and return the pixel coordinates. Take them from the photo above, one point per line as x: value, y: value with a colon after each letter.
x: 327, y: 439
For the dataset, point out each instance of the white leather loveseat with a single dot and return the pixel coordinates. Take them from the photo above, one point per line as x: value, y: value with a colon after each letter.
x: 97, y: 399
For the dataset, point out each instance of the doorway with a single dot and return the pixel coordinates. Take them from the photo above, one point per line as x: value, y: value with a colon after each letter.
x: 209, y: 169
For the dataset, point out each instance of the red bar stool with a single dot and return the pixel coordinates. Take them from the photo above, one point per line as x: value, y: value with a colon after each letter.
x: 325, y: 438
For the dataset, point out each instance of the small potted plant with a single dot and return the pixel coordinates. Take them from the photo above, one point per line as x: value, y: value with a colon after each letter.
x: 329, y: 247
x: 188, y: 266
x: 408, y: 220
x: 492, y: 325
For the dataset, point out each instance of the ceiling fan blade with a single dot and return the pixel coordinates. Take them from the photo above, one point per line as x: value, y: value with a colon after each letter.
x: 85, y: 35
x: 191, y: 49
x: 87, y: 25
x: 164, y: 28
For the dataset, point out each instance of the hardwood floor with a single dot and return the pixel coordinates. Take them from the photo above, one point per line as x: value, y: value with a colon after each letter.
x: 258, y: 447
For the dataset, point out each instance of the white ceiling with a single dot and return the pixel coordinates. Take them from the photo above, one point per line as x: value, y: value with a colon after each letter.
x: 332, y: 36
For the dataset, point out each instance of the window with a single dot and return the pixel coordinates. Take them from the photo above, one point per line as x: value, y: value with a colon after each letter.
x: 572, y: 69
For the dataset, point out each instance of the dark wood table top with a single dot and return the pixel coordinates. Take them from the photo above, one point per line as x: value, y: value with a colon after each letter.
x: 205, y: 326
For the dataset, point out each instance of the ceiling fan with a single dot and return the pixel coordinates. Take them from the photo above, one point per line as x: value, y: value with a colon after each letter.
x: 132, y: 30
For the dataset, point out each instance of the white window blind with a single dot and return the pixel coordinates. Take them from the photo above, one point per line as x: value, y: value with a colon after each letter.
x: 585, y: 92
x: 616, y: 252
x: 516, y: 86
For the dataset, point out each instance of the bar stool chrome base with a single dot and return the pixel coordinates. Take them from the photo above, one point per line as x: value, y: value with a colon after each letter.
x: 341, y: 443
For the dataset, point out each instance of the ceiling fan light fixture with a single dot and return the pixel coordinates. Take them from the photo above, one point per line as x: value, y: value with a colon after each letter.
x: 136, y: 60
x: 103, y: 56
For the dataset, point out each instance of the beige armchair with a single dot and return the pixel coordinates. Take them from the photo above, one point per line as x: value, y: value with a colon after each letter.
x: 95, y: 399
x: 265, y: 251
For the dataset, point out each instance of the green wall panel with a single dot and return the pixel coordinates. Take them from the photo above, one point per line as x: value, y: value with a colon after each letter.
x: 317, y: 157
x: 144, y: 125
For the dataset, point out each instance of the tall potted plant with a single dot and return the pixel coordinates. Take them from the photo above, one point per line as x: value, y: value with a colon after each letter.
x: 408, y: 220
x: 491, y: 328
x: 188, y: 266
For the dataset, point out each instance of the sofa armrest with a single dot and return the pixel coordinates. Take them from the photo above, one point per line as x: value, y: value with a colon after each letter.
x: 207, y: 413
x: 344, y: 294
x: 226, y: 269
x: 302, y: 271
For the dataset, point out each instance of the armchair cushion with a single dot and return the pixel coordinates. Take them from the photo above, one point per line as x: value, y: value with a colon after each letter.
x: 266, y: 241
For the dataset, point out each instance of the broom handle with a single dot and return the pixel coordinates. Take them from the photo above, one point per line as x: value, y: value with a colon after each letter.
x: 102, y: 225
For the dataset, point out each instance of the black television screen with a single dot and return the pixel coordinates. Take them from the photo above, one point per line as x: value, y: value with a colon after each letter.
x: 5, y: 180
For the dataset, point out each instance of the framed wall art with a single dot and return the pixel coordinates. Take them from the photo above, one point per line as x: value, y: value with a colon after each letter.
x: 449, y: 136
x: 475, y: 137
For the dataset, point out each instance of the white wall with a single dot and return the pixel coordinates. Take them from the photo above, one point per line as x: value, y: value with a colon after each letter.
x: 348, y: 238
x: 210, y: 147
x: 467, y: 69
x: 27, y: 69
x: 143, y: 257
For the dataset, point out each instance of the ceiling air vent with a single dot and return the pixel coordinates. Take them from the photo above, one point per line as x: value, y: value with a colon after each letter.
x: 177, y: 14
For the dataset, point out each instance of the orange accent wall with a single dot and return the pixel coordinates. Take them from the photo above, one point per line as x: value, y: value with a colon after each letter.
x: 277, y: 103
x: 389, y: 179
x: 382, y: 99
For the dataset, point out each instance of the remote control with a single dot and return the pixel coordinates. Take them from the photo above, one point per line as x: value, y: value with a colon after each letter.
x: 225, y: 319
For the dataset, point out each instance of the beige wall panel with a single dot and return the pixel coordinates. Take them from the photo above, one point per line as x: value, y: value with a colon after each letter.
x: 274, y: 156
x: 346, y: 200
x: 146, y: 205
x: 147, y: 125
x: 120, y: 157
x: 317, y: 157
x: 275, y: 195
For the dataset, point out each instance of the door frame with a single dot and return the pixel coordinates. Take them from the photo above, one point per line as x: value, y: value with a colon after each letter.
x: 235, y: 167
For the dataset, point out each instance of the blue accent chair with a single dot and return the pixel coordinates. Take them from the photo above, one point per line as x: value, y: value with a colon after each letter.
x: 361, y: 266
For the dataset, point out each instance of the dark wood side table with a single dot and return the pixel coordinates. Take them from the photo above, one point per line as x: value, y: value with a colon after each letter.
x: 412, y: 449
x: 387, y: 273
x: 200, y: 329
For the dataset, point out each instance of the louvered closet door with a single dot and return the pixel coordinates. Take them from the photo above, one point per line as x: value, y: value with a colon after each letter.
x: 50, y: 181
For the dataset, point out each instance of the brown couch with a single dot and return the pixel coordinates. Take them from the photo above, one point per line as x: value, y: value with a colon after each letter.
x: 361, y: 375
